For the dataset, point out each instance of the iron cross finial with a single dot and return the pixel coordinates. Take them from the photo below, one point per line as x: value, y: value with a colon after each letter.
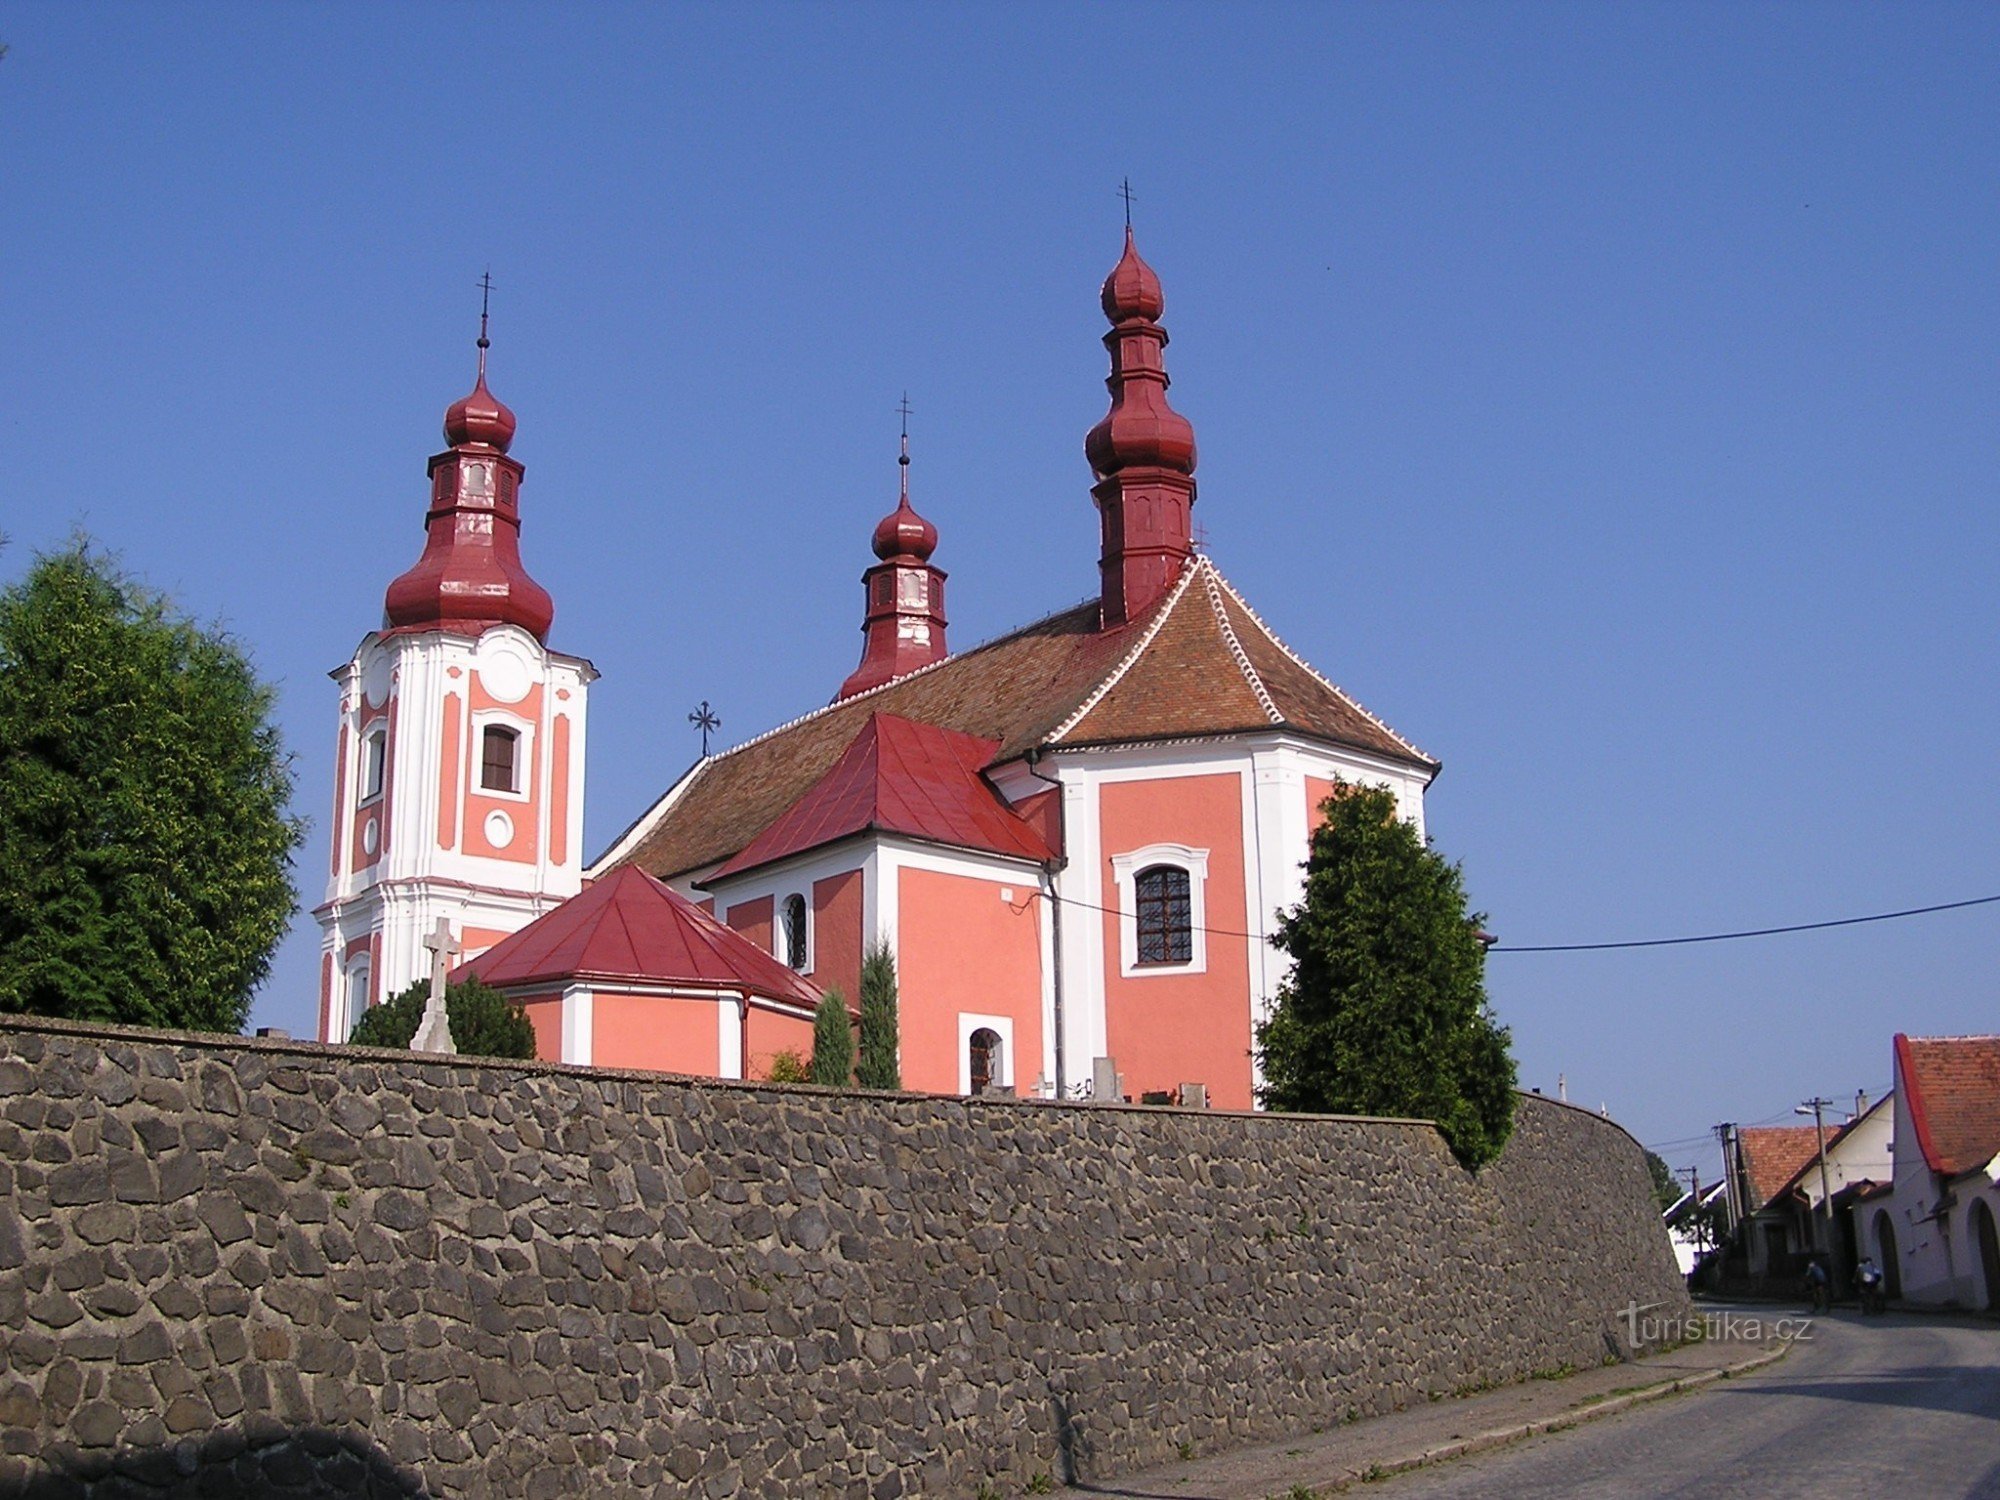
x: 485, y: 285
x: 903, y: 459
x: 1125, y: 192
x: 704, y: 718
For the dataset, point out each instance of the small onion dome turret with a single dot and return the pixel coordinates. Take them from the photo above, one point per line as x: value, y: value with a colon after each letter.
x: 480, y: 417
x: 905, y: 534
x: 1132, y: 290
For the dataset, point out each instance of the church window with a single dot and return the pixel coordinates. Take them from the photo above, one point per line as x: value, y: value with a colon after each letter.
x: 374, y: 763
x: 1165, y: 915
x: 1162, y: 910
x: 499, y: 755
x: 983, y: 1055
x: 794, y: 927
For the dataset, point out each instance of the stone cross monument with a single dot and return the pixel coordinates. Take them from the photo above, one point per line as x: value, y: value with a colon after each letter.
x: 434, y: 1031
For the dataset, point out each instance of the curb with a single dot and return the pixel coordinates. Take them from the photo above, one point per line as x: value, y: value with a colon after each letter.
x: 1575, y: 1416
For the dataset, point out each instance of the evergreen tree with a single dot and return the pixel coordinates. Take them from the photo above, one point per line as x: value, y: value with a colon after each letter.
x: 878, y: 1068
x: 1385, y: 1011
x: 833, y: 1043
x: 145, y: 850
x: 1666, y: 1186
x: 484, y: 1022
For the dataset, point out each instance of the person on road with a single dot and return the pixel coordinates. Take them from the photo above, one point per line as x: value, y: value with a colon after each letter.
x: 1816, y: 1283
x: 1868, y: 1277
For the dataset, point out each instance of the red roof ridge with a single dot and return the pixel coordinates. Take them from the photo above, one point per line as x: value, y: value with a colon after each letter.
x: 1111, y: 680
x: 1318, y: 676
x: 1237, y: 654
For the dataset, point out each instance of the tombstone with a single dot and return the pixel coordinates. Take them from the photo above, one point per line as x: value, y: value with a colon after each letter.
x: 1106, y: 1086
x: 434, y: 1031
x: 1194, y: 1096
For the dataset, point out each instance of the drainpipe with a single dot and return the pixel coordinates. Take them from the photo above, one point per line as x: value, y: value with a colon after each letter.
x: 1050, y: 869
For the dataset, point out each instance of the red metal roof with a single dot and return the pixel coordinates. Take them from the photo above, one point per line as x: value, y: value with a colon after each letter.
x: 900, y: 776
x: 1952, y: 1087
x: 629, y: 927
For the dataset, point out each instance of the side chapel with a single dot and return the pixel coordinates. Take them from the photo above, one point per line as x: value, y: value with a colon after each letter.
x: 1071, y: 838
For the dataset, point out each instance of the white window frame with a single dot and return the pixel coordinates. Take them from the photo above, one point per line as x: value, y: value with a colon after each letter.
x: 780, y: 947
x: 1000, y: 1026
x: 1125, y: 870
x: 374, y: 743
x: 524, y: 755
x: 354, y: 982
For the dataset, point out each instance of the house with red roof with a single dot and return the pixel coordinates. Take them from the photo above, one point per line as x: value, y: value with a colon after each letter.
x: 1936, y: 1227
x: 1781, y: 1184
x: 1073, y: 839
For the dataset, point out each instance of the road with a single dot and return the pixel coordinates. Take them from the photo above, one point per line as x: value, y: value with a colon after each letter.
x: 1896, y: 1405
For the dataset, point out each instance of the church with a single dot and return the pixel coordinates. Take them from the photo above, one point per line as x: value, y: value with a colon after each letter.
x: 1072, y: 839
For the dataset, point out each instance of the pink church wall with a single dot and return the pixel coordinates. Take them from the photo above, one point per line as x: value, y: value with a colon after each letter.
x: 448, y: 771
x: 522, y: 812
x: 1317, y: 791
x: 357, y: 818
x: 1166, y: 1029
x: 772, y: 1032
x: 664, y: 1034
x: 559, y: 790
x: 837, y: 934
x: 544, y: 1013
x: 961, y: 948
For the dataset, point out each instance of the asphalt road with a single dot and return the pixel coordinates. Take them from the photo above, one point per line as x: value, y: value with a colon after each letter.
x: 1888, y: 1406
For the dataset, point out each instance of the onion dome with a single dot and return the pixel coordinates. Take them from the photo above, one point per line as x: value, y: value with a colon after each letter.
x: 905, y: 534
x: 1141, y: 430
x: 1132, y: 290
x: 480, y: 417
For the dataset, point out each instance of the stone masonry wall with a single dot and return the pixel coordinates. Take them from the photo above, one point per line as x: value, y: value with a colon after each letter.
x: 236, y: 1267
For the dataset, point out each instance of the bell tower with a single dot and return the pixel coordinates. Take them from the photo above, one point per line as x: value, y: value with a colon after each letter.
x: 458, y: 783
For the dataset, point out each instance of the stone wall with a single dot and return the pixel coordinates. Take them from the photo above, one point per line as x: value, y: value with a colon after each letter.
x: 230, y: 1266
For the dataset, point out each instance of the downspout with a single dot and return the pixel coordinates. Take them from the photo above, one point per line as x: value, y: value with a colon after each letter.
x: 1050, y: 869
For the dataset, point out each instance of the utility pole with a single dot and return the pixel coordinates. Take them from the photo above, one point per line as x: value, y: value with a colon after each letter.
x: 1813, y: 1107
x: 1729, y: 1184
x: 1695, y: 1215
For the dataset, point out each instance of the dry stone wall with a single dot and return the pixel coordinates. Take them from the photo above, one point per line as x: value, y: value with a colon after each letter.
x: 235, y: 1267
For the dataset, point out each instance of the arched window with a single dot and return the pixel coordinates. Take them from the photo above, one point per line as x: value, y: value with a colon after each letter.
x: 794, y: 919
x: 1162, y: 899
x: 374, y: 763
x: 983, y: 1052
x: 499, y: 757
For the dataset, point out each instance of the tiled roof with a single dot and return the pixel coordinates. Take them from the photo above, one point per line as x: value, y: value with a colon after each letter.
x: 1773, y: 1155
x: 630, y: 927
x: 900, y: 776
x: 1198, y: 663
x: 1952, y: 1087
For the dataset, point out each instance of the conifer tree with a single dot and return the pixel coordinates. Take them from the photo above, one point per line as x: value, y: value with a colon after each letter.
x: 878, y: 1068
x: 1385, y: 1011
x: 145, y: 848
x: 484, y: 1022
x: 833, y: 1043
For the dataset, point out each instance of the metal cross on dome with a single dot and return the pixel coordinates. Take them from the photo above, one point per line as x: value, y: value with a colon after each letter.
x: 1125, y: 192
x: 706, y: 720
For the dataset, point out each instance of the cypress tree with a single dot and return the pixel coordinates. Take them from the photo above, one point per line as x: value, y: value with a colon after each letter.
x: 833, y: 1043
x: 879, y: 1068
x: 1385, y: 1011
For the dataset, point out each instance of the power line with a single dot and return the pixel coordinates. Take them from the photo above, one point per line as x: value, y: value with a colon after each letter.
x: 1724, y: 937
x: 1672, y: 942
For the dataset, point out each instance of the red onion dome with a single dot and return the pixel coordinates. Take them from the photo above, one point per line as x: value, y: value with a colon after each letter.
x: 1132, y: 290
x: 904, y: 533
x: 479, y: 418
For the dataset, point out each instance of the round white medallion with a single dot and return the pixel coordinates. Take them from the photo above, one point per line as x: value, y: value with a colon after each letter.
x: 369, y: 837
x: 375, y: 678
x: 504, y: 671
x: 499, y: 829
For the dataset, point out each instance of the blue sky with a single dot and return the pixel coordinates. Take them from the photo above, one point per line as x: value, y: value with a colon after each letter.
x: 1606, y: 395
